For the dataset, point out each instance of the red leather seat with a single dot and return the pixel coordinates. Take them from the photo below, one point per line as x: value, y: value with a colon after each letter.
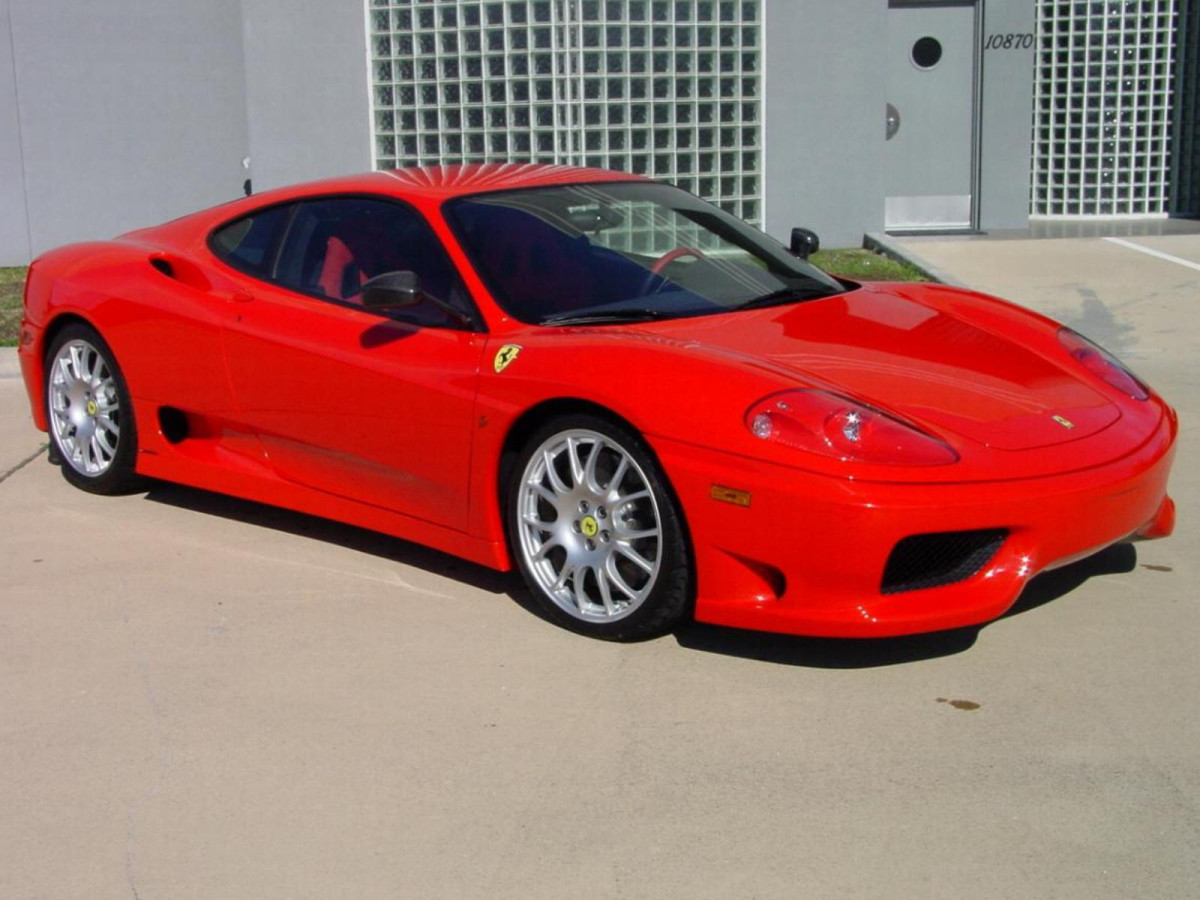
x: 340, y: 274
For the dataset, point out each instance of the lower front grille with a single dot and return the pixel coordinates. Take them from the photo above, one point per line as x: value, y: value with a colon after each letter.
x: 931, y: 560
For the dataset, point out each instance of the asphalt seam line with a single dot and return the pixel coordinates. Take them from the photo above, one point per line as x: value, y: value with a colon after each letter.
x: 1158, y: 253
x: 23, y: 463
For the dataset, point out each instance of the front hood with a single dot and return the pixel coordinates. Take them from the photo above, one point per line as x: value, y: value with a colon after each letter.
x: 931, y: 366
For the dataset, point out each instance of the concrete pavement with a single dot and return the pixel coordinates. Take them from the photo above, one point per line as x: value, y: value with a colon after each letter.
x: 19, y: 440
x: 204, y: 698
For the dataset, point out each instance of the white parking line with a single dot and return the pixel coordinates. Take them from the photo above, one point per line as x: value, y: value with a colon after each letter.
x: 1167, y: 256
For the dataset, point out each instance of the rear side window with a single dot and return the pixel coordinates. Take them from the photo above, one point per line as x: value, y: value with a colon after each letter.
x: 248, y: 243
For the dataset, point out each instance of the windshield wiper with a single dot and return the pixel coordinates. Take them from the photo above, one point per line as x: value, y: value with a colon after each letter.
x: 782, y: 296
x: 610, y: 315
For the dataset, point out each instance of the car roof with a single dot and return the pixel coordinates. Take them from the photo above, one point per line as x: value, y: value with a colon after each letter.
x: 443, y: 182
x: 420, y: 184
x: 475, y: 178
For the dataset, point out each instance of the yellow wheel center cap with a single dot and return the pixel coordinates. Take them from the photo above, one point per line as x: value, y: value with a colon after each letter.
x: 588, y: 526
x: 91, y: 407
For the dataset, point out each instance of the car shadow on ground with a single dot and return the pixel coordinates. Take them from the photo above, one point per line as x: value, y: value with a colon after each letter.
x: 351, y: 537
x: 845, y: 653
x: 821, y: 653
x: 328, y: 531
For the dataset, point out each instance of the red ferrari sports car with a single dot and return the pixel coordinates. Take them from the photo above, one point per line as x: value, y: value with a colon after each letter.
x: 650, y: 408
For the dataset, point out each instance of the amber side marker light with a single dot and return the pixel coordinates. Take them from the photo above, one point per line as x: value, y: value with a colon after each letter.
x: 730, y: 495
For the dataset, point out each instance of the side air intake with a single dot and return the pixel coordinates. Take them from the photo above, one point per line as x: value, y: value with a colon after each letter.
x: 931, y: 560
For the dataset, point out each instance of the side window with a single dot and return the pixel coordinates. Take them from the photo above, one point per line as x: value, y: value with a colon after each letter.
x: 247, y: 243
x: 334, y: 246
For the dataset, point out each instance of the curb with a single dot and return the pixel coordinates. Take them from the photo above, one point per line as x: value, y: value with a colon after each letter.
x: 10, y: 366
x: 882, y: 243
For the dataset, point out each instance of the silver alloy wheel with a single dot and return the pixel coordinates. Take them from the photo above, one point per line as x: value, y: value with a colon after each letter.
x: 589, y: 526
x: 85, y: 409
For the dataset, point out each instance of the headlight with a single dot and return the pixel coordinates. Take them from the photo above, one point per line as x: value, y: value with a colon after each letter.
x: 1102, y: 364
x: 834, y: 426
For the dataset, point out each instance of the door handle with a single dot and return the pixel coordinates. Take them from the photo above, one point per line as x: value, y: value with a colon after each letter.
x: 893, y: 122
x: 234, y: 296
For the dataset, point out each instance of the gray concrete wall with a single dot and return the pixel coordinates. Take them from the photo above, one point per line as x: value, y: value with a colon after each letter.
x: 130, y: 112
x: 1006, y: 116
x: 1185, y: 132
x: 121, y: 113
x: 824, y: 111
x: 307, y: 92
x: 14, y: 214
x: 824, y: 117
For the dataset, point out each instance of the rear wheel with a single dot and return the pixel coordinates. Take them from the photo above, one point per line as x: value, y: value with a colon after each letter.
x: 596, y: 532
x: 88, y: 413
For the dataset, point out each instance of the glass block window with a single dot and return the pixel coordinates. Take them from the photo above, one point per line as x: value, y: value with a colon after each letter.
x: 666, y: 88
x: 1103, y: 107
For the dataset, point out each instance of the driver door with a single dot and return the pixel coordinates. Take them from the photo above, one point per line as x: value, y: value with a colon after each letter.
x: 356, y: 402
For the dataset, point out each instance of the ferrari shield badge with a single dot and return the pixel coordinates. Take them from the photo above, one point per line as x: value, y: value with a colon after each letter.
x: 1065, y: 423
x: 504, y: 357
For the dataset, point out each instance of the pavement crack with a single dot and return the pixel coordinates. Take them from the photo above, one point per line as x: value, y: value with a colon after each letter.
x: 4, y: 476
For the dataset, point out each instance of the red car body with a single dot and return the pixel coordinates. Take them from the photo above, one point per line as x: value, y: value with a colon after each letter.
x: 332, y: 411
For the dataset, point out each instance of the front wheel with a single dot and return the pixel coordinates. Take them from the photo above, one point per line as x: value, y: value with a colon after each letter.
x: 596, y: 532
x: 89, y: 413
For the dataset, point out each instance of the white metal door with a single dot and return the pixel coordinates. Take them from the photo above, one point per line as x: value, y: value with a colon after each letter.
x: 930, y: 115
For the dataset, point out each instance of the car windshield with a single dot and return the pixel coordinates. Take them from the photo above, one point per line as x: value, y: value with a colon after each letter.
x: 624, y: 251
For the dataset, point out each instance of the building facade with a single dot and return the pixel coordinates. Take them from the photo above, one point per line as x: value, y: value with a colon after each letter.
x: 847, y: 117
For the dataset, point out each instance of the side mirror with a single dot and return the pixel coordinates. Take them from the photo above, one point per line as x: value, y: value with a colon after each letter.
x: 392, y: 290
x: 804, y: 242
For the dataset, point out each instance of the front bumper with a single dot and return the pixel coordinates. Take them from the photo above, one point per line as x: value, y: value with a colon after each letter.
x: 807, y: 556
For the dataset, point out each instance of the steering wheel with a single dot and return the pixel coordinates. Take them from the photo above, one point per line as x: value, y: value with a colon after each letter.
x: 649, y: 286
x: 671, y: 255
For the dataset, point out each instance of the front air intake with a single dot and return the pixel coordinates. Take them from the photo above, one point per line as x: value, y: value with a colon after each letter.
x: 932, y: 560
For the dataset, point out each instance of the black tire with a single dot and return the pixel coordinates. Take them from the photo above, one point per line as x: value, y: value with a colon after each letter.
x: 624, y: 608
x: 116, y: 473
